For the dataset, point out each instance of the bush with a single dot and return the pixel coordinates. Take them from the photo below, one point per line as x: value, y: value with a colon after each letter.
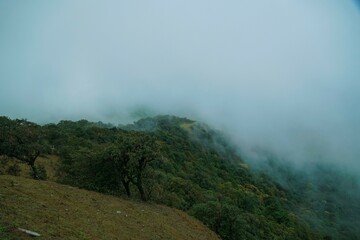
x: 14, y: 169
x: 3, y: 165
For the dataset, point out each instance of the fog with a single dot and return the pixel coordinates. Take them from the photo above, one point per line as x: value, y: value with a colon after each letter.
x: 282, y: 75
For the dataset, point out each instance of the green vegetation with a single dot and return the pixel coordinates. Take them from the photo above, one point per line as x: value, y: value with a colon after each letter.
x: 21, y: 139
x: 189, y: 166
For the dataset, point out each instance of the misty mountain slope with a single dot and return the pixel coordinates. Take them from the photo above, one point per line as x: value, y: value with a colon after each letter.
x: 196, y: 169
x: 275, y: 76
x: 62, y: 212
x: 197, y: 132
x: 321, y: 195
x: 324, y: 195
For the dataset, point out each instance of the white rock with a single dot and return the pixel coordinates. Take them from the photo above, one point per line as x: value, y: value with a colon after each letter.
x: 31, y: 233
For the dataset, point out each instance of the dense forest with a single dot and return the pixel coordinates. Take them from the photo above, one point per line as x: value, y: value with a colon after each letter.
x: 189, y: 166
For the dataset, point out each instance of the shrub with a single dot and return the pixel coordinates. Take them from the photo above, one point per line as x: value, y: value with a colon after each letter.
x: 14, y: 169
x: 39, y: 171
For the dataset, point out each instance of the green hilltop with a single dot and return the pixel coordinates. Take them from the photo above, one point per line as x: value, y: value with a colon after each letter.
x: 185, y: 165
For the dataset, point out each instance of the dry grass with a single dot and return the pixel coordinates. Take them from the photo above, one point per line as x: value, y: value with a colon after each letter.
x: 63, y: 212
x: 187, y: 126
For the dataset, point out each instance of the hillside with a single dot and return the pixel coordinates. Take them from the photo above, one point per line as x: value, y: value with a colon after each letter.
x: 63, y: 212
x: 189, y: 166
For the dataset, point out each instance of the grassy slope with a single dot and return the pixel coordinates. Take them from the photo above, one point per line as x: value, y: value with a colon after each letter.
x: 62, y: 212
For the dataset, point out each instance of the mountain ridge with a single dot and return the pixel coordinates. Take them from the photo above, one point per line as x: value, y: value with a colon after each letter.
x: 194, y: 168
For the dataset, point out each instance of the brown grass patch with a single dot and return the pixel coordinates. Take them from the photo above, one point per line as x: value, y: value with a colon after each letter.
x: 63, y: 212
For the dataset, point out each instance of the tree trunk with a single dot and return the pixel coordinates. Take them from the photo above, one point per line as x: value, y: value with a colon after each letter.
x: 34, y: 171
x: 32, y: 165
x: 141, y: 190
x: 127, y: 187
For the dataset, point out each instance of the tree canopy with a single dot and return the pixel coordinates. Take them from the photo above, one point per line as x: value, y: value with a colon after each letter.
x: 21, y: 139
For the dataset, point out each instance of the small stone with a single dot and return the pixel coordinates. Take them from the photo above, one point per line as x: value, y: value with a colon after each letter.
x: 31, y: 233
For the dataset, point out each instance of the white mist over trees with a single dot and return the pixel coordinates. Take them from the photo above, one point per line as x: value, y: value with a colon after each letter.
x: 281, y: 75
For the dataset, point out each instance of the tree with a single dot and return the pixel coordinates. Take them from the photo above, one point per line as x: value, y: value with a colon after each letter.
x: 223, y: 218
x: 22, y: 140
x: 130, y: 156
x: 116, y: 155
x: 7, y: 126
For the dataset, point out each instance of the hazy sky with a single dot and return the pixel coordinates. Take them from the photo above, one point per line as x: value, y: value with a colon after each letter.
x: 284, y: 74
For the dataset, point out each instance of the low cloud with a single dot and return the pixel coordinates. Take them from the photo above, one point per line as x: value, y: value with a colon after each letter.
x: 280, y: 75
